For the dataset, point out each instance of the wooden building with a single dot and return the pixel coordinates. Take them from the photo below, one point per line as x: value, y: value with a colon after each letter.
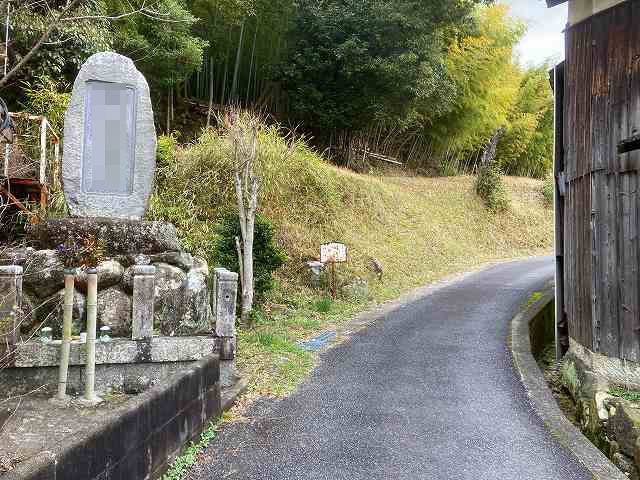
x: 597, y: 190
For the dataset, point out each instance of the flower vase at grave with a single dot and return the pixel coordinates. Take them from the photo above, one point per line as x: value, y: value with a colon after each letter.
x: 65, y: 346
x: 90, y: 398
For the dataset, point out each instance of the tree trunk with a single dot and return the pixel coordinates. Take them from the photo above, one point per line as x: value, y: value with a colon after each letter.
x: 246, y: 186
x: 171, y: 103
x: 224, y: 78
x: 489, y: 154
x: 247, y: 272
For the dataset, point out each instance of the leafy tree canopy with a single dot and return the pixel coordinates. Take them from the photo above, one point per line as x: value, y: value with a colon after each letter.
x: 162, y: 45
x: 353, y: 62
x: 68, y: 46
x: 527, y: 147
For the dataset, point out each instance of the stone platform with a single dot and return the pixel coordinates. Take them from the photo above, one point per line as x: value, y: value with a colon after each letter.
x: 121, y: 237
x: 122, y: 365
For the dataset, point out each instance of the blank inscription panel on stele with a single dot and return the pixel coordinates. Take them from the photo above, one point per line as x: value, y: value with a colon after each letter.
x: 109, y: 138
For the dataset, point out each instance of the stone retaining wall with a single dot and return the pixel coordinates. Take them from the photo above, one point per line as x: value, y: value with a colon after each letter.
x: 610, y: 422
x: 119, y: 363
x: 141, y: 443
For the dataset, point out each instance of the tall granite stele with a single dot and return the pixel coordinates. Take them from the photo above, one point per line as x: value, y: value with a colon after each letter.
x: 110, y: 140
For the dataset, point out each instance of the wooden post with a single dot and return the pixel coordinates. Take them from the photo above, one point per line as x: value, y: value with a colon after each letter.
x: 56, y: 165
x: 43, y: 150
x: 334, y: 281
x: 561, y: 332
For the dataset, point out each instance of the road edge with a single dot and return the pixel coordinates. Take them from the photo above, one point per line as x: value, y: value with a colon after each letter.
x: 542, y: 400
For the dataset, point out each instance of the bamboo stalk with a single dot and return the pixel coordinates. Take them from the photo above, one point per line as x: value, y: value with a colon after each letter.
x: 234, y: 83
x: 90, y: 396
x: 65, y: 347
x: 253, y: 54
x: 210, y: 92
x: 169, y: 112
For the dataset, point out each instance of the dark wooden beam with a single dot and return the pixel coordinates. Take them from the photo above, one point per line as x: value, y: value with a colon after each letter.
x: 554, y: 3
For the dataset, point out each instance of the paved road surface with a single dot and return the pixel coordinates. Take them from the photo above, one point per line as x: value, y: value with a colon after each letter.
x: 427, y: 393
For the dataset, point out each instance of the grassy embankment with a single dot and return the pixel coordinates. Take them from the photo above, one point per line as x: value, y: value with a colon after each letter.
x: 419, y: 229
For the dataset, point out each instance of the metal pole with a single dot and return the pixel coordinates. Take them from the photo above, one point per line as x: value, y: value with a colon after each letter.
x: 65, y: 348
x: 90, y: 397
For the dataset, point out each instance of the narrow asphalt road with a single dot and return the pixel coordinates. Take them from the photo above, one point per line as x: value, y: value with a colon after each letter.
x: 427, y: 393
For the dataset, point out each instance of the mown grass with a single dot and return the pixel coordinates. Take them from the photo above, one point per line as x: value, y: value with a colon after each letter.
x: 419, y: 229
x: 422, y: 230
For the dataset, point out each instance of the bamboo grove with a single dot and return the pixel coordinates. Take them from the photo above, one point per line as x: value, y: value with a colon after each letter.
x: 424, y: 82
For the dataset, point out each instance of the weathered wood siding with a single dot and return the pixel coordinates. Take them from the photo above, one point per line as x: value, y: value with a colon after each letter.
x: 601, y: 108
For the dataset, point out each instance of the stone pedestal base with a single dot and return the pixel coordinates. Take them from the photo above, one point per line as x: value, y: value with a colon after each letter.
x: 84, y: 402
x: 121, y: 237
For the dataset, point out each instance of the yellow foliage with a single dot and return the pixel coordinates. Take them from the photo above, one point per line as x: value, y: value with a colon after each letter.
x: 486, y: 78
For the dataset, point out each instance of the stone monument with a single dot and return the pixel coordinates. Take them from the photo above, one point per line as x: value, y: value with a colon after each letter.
x: 108, y: 170
x: 109, y: 156
x: 153, y: 296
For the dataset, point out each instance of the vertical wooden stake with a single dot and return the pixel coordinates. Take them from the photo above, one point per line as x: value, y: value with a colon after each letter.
x: 43, y: 151
x: 334, y: 281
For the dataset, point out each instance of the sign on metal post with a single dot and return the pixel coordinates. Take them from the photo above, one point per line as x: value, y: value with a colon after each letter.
x: 333, y: 253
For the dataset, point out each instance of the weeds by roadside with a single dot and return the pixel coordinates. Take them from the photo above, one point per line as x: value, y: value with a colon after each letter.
x: 548, y: 188
x: 183, y: 463
x: 625, y: 394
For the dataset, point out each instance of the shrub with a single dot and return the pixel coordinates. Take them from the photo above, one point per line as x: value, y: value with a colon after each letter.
x: 490, y: 188
x: 166, y: 150
x: 267, y: 256
x: 548, y: 189
x: 48, y: 97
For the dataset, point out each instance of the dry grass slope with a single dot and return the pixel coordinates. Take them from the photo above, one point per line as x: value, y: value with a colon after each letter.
x: 420, y: 230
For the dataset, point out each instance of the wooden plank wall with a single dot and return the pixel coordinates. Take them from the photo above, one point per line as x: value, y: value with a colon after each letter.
x: 601, y: 253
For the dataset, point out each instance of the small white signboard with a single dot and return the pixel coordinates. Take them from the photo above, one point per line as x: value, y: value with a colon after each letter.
x: 333, y: 253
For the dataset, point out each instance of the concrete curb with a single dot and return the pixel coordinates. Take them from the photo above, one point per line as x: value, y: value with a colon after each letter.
x: 543, y: 402
x: 229, y: 396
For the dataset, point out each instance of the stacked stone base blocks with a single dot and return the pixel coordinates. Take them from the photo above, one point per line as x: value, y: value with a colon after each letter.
x: 159, y: 301
x: 612, y: 423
